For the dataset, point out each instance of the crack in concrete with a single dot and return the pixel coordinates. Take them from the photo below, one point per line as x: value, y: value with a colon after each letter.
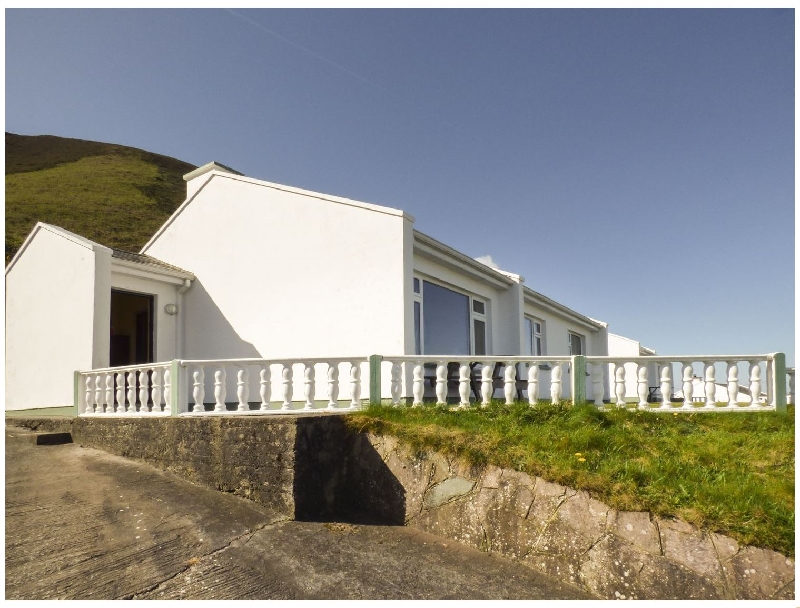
x: 192, y: 563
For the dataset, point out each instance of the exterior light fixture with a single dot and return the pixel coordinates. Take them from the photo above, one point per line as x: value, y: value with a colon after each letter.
x: 171, y: 309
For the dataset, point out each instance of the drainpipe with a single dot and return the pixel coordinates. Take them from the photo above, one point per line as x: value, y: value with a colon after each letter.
x: 179, y: 333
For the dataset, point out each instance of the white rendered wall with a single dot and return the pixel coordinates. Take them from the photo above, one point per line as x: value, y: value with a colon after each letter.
x: 52, y: 291
x: 165, y: 326
x: 286, y: 274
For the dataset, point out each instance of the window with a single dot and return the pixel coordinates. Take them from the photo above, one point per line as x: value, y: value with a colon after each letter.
x: 447, y: 322
x: 534, y: 337
x: 575, y: 344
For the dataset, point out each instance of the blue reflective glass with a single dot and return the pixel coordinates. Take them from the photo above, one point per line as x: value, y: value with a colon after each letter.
x: 446, y: 321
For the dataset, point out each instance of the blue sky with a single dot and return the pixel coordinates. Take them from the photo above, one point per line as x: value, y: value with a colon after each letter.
x: 635, y: 165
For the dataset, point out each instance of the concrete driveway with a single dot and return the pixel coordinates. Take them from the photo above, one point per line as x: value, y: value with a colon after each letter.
x: 81, y: 523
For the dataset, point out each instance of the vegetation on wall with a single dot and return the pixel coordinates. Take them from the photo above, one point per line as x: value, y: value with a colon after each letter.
x: 731, y: 473
x: 114, y: 195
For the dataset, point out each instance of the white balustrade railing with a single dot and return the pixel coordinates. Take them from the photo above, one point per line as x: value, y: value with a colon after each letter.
x: 224, y: 386
x: 138, y: 390
x: 277, y: 382
x: 442, y: 378
x: 697, y: 383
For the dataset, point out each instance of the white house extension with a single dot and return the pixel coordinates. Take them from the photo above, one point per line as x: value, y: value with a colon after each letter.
x: 296, y: 286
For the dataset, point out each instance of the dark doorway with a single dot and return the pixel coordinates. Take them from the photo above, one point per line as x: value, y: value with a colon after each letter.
x: 132, y: 336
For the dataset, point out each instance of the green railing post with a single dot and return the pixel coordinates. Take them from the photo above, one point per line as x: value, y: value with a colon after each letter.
x: 176, y: 388
x: 76, y: 379
x: 375, y: 379
x: 779, y: 382
x: 578, y: 379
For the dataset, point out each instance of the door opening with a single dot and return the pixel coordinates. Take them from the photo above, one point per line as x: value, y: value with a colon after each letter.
x: 132, y: 335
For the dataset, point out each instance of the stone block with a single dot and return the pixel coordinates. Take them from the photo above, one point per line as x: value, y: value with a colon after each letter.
x: 761, y: 574
x: 636, y: 528
x: 615, y: 569
x: 446, y: 491
x: 688, y: 546
x: 585, y: 515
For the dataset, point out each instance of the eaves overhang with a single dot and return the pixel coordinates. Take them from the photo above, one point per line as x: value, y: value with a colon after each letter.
x: 436, y: 251
x: 536, y: 299
x: 147, y: 267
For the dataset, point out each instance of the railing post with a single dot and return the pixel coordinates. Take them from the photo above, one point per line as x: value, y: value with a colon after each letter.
x: 779, y: 382
x: 375, y: 379
x: 578, y: 379
x: 176, y: 389
x: 76, y: 378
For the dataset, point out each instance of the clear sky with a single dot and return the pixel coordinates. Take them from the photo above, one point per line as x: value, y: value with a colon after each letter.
x: 635, y: 165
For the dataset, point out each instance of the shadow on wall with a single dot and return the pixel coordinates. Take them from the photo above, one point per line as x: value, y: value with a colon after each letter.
x: 340, y: 477
x: 209, y: 335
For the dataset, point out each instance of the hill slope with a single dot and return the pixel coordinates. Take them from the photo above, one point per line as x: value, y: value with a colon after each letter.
x: 115, y: 195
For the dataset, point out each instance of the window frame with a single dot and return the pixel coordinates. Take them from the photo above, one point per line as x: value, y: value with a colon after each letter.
x: 419, y: 298
x: 581, y: 339
x: 533, y: 335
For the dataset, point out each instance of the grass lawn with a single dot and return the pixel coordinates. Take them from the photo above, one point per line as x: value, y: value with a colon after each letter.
x: 731, y: 473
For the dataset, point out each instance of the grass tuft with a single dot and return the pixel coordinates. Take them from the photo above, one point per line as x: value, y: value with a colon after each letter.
x: 731, y: 473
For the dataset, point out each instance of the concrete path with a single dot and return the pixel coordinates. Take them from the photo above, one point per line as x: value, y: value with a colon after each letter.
x: 81, y: 523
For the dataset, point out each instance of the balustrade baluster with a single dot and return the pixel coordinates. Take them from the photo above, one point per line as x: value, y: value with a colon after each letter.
x: 688, y: 384
x: 641, y: 384
x: 755, y: 383
x: 199, y: 390
x: 219, y: 390
x: 333, y: 385
x: 167, y: 392
x: 533, y: 383
x: 619, y: 384
x: 155, y: 391
x: 89, y: 397
x: 121, y: 405
x: 131, y: 376
x: 242, y: 389
x: 308, y: 385
x: 555, y: 383
x: 419, y: 383
x: 597, y: 383
x: 265, y: 387
x: 98, y: 392
x: 463, y: 385
x: 397, y: 387
x: 510, y: 382
x: 441, y: 382
x: 143, y: 392
x: 733, y: 384
x: 710, y: 384
x: 286, y: 375
x: 666, y: 385
x: 355, y: 384
x: 487, y: 386
x: 109, y: 393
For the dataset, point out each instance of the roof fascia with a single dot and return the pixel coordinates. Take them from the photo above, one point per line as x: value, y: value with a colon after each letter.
x: 134, y: 269
x: 537, y: 299
x: 57, y: 230
x: 436, y: 251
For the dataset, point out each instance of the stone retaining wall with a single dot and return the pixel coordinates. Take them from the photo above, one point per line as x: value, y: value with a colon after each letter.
x: 569, y: 535
x: 314, y: 468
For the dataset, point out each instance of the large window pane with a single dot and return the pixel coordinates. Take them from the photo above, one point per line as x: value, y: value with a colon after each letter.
x: 480, y: 338
x: 528, y: 337
x: 417, y: 342
x: 446, y: 321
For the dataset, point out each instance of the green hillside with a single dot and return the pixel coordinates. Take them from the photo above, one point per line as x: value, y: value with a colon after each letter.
x: 115, y: 195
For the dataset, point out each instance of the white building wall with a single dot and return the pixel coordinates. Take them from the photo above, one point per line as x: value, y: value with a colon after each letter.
x: 53, y: 288
x: 285, y: 273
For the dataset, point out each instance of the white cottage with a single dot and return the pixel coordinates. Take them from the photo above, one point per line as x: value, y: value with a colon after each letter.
x: 246, y: 268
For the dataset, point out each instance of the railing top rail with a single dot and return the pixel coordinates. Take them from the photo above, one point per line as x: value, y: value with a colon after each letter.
x: 140, y: 366
x: 679, y: 358
x: 476, y: 359
x: 293, y: 360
